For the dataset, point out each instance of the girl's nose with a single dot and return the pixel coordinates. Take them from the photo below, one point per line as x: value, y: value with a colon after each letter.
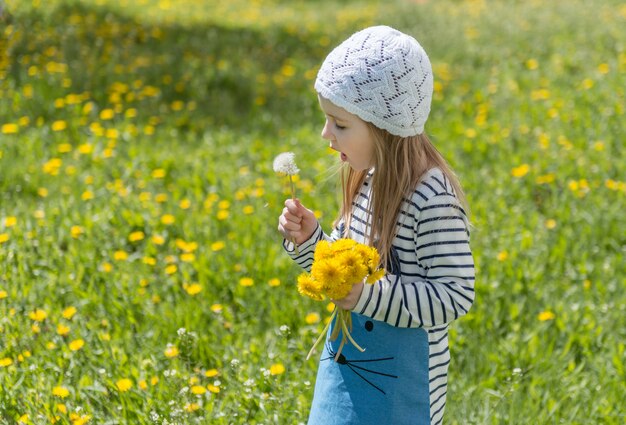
x: 326, y: 132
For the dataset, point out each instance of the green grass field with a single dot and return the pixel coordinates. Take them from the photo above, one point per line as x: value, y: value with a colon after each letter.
x: 142, y: 279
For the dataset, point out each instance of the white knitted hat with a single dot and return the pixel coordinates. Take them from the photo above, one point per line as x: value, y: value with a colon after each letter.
x: 381, y: 75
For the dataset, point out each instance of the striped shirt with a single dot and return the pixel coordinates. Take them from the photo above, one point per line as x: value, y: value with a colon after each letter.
x: 430, y: 279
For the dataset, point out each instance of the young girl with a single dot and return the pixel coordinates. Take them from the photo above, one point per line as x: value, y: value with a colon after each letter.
x: 400, y: 196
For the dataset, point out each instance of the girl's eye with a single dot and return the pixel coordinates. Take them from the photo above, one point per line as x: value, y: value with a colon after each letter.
x: 339, y: 127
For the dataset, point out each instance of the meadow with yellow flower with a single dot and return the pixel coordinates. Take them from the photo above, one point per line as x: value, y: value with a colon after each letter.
x: 141, y: 276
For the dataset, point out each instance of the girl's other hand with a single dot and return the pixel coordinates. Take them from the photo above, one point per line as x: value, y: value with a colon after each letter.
x: 350, y: 300
x: 297, y: 223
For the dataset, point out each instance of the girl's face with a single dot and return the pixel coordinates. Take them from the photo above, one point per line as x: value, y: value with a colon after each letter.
x: 349, y: 135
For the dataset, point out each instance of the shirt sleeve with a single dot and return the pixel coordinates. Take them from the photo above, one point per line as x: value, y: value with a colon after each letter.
x: 306, y: 249
x: 446, y: 290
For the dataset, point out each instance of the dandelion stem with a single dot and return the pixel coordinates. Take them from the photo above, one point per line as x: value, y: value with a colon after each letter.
x: 293, y: 196
x: 322, y: 335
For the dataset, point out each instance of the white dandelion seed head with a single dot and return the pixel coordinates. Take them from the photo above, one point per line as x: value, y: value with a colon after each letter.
x: 285, y: 163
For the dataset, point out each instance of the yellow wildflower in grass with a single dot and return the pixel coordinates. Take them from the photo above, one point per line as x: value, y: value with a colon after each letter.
x: 59, y: 125
x: 222, y: 215
x: 502, y: 255
x: 274, y: 282
x: 4, y: 237
x: 171, y: 351
x: 158, y: 240
x: 142, y: 384
x: 158, y: 173
x: 211, y: 373
x: 191, y: 407
x: 217, y: 246
x: 136, y: 236
x: 76, y: 231
x: 520, y: 171
x: 550, y: 224
x: 62, y: 329
x: 60, y: 392
x: 10, y: 221
x: 187, y: 257
x: 7, y: 361
x: 198, y: 389
x: 213, y: 388
x: 124, y: 385
x: 545, y: 315
x: 248, y: 209
x: 217, y: 308
x: 193, y: 289
x: 87, y: 195
x: 312, y: 318
x: 69, y: 312
x: 62, y: 408
x: 168, y: 219
x: 9, y: 128
x: 38, y: 315
x: 107, y: 114
x: 277, y: 369
x: 77, y: 344
x: 310, y: 287
x: 3, y: 294
x: 120, y: 255
x: 246, y: 281
x: 171, y: 269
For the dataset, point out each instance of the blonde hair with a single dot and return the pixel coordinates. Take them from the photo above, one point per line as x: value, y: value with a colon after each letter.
x: 400, y: 163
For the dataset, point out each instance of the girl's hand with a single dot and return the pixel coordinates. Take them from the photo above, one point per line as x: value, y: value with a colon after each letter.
x: 296, y: 223
x: 350, y: 300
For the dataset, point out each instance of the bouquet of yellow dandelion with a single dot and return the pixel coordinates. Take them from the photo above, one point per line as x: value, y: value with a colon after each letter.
x: 285, y: 164
x: 337, y: 267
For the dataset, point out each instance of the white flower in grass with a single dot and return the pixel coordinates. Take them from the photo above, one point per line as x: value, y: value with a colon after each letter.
x: 285, y: 163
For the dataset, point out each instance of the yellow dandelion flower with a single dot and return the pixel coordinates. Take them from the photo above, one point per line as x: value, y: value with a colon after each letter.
x: 158, y: 240
x: 120, y: 255
x: 312, y: 318
x: 63, y: 330
x: 274, y: 282
x: 198, y: 389
x: 9, y: 128
x: 187, y: 257
x: 277, y: 369
x: 69, y: 312
x: 154, y: 380
x: 60, y: 392
x: 194, y: 289
x: 4, y: 237
x: 217, y: 246
x: 246, y: 281
x: 38, y: 315
x: 376, y: 276
x: 217, y: 308
x: 248, y: 209
x: 171, y: 351
x: 211, y: 373
x: 59, y: 125
x: 550, y: 223
x: 87, y: 195
x: 185, y: 204
x: 520, y: 171
x: 310, y: 287
x: 355, y: 268
x: 213, y: 388
x: 502, y: 255
x: 171, y: 269
x: 158, y: 173
x: 136, y: 236
x: 142, y: 384
x: 76, y: 231
x: 3, y: 294
x: 191, y: 407
x: 62, y: 408
x: 124, y: 385
x: 222, y: 215
x: 545, y: 315
x: 168, y: 219
x: 107, y: 114
x: 77, y: 344
x: 10, y: 221
x: 7, y: 361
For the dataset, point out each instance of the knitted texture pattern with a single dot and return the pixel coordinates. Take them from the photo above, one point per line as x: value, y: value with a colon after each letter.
x: 381, y: 75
